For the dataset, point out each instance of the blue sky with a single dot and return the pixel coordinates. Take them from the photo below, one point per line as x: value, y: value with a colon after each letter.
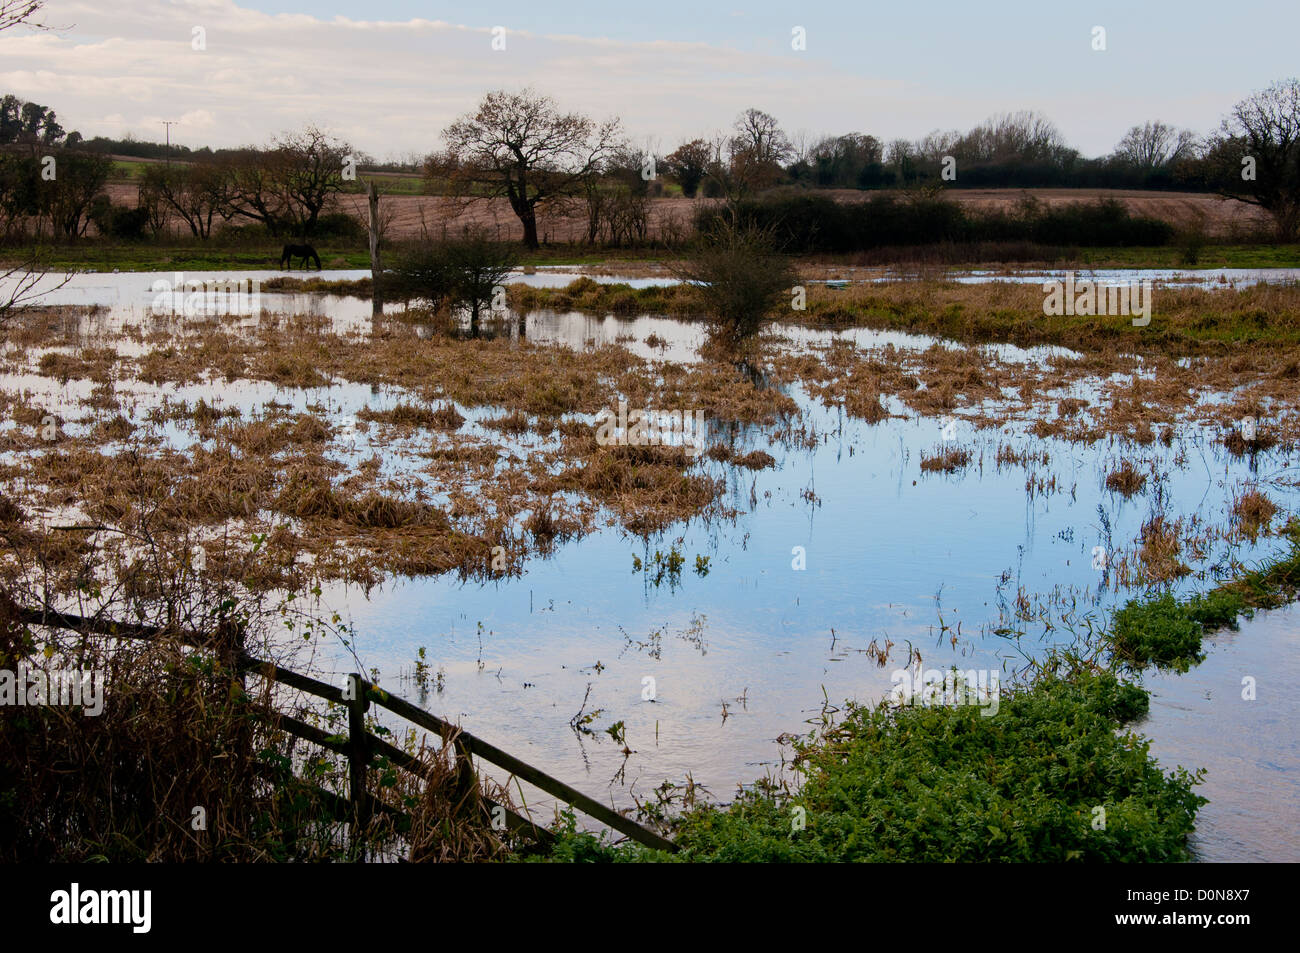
x: 668, y: 69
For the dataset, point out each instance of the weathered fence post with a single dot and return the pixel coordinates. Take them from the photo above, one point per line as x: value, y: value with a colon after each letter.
x: 376, y: 267
x: 466, y: 782
x: 358, y: 756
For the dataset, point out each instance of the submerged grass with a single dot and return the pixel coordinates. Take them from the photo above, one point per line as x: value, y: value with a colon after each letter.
x: 1052, y: 776
x: 1167, y: 632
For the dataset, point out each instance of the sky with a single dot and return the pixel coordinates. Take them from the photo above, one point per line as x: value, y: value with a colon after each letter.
x: 389, y: 75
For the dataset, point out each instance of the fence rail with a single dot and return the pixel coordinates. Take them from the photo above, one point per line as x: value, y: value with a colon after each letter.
x: 361, y: 746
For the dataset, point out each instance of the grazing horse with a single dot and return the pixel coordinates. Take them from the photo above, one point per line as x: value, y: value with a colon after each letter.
x: 304, y: 252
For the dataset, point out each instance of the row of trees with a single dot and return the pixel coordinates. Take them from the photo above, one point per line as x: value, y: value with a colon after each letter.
x: 522, y: 147
x: 285, y: 188
x: 47, y: 186
x: 51, y: 193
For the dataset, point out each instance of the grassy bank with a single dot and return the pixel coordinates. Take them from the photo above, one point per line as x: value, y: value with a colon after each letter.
x: 1184, y: 320
x: 1167, y: 632
x: 1210, y: 256
x: 253, y: 254
x: 257, y: 255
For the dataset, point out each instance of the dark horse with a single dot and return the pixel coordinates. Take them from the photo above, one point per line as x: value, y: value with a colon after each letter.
x: 298, y: 251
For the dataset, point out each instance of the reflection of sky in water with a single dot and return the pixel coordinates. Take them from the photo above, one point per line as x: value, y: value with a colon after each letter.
x: 878, y: 549
x: 882, y: 542
x: 1251, y: 749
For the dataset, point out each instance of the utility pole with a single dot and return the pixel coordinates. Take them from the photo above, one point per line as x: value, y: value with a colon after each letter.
x: 169, y: 123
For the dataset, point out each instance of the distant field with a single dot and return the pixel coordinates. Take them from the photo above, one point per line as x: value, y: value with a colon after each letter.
x: 128, y: 169
x: 412, y: 211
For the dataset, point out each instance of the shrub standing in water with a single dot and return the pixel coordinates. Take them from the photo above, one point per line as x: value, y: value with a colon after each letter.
x: 459, y: 272
x: 741, y: 276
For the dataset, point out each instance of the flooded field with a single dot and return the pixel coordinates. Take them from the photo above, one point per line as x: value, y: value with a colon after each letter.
x: 952, y: 521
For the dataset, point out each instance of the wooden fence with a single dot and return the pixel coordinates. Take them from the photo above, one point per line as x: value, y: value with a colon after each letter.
x: 361, y: 747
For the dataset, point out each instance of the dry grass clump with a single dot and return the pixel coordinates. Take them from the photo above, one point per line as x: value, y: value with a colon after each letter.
x: 450, y: 820
x: 1008, y: 455
x: 1252, y: 512
x: 115, y: 428
x: 947, y: 460
x: 648, y: 487
x: 548, y: 524
x: 587, y: 294
x: 477, y: 456
x: 180, y: 726
x: 206, y: 416
x: 1235, y: 442
x: 864, y: 403
x: 356, y: 287
x: 444, y: 417
x: 516, y: 422
x: 1126, y: 480
x: 723, y: 391
x: 292, y: 370
x: 91, y: 363
x: 753, y: 460
x: 265, y: 437
x: 1161, y: 547
x: 34, y: 416
x: 309, y: 494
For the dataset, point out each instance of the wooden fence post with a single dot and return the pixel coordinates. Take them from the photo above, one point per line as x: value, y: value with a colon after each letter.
x: 376, y: 266
x: 466, y: 782
x: 358, y: 756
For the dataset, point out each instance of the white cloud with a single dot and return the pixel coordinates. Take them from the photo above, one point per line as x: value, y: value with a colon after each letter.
x: 391, y: 87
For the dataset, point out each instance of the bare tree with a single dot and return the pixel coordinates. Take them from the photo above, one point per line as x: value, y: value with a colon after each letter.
x: 741, y: 279
x: 841, y: 161
x: 1256, y: 156
x: 1154, y: 145
x: 18, y: 284
x: 14, y: 12
x: 760, y: 139
x: 520, y: 146
x: 198, y: 193
x: 67, y: 198
x: 254, y: 188
x: 1025, y: 136
x: 802, y: 144
x: 311, y: 166
x: 901, y: 153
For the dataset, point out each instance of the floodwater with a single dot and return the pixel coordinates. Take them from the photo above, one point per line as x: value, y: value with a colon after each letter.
x: 1249, y: 745
x: 844, y: 548
x: 119, y: 289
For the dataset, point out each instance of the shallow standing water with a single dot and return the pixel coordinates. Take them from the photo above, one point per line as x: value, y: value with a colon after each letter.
x: 1249, y: 746
x: 755, y: 647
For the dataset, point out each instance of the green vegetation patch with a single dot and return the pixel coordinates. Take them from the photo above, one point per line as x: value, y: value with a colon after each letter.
x: 1051, y: 777
x: 1167, y: 632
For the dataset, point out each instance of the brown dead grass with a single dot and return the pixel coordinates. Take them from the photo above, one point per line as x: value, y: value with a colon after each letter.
x: 1126, y: 479
x: 1252, y: 512
x: 946, y: 460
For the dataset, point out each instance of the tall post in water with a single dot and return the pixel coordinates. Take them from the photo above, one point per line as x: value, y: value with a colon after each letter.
x: 376, y: 268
